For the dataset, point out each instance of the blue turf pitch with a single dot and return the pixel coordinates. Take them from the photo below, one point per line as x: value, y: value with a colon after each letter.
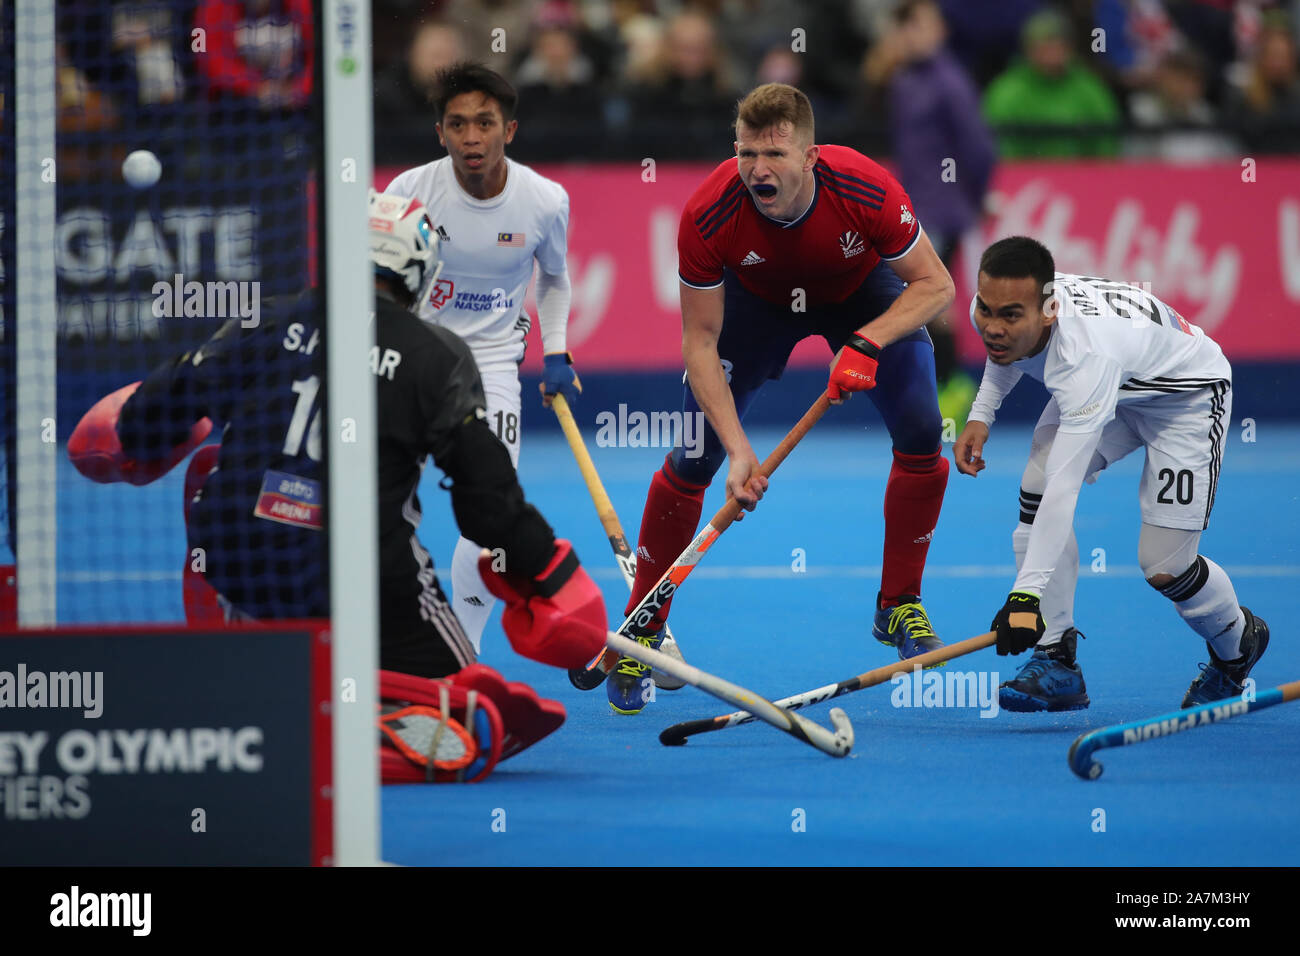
x: 924, y: 786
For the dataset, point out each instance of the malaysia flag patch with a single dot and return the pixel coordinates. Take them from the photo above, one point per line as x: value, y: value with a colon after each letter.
x: 512, y: 239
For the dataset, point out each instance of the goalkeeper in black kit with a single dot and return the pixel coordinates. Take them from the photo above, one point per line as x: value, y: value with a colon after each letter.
x: 259, y: 516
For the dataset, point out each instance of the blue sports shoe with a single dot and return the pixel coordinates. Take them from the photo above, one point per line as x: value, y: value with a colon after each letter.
x: 906, y: 627
x: 1050, y: 680
x: 630, y: 686
x: 1219, y: 679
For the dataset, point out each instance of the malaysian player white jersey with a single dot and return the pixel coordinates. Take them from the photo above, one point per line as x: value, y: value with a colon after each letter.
x: 487, y: 249
x: 1111, y: 343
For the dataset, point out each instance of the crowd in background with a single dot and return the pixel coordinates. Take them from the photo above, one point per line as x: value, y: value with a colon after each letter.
x: 1181, y: 80
x: 1178, y: 80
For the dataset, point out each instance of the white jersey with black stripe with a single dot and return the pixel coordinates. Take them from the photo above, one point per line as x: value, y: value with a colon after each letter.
x: 1112, y: 342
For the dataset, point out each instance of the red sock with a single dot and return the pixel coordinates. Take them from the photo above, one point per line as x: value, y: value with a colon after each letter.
x: 913, y: 497
x: 672, y: 513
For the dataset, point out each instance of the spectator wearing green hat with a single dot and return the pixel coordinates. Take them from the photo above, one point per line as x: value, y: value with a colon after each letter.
x: 1050, y: 89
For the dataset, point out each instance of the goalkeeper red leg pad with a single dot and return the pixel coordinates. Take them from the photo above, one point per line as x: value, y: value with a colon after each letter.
x: 672, y: 514
x: 913, y: 497
x: 427, y: 729
x: 201, y: 604
x: 526, y: 717
x: 95, y: 451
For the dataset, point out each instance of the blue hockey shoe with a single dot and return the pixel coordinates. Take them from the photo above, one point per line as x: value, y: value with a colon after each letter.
x: 630, y: 686
x: 906, y: 627
x: 1219, y: 679
x: 1050, y: 680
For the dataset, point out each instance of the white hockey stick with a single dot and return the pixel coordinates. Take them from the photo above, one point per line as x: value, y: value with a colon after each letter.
x: 837, y: 742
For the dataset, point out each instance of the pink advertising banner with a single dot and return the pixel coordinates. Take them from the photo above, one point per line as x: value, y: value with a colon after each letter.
x: 1220, y: 243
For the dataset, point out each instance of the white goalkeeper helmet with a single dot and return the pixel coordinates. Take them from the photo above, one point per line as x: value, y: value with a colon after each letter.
x: 403, y: 244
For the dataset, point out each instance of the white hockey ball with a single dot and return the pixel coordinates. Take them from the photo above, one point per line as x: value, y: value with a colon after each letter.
x: 141, y: 169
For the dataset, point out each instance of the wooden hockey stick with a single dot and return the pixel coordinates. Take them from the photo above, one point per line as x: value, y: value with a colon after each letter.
x: 672, y: 579
x: 837, y: 741
x: 1138, y: 731
x: 623, y: 554
x: 677, y: 734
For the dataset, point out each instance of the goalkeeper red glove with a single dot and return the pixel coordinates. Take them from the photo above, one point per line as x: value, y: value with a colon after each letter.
x: 97, y: 453
x: 556, y: 618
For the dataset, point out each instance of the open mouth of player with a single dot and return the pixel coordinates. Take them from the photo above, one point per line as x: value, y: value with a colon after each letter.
x: 765, y: 191
x: 997, y: 350
x: 473, y: 160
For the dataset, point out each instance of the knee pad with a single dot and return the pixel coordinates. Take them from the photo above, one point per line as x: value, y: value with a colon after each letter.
x: 1168, y: 551
x: 1184, y: 586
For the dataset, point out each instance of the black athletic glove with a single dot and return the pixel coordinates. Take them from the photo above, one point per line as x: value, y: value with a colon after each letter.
x: 1019, y: 624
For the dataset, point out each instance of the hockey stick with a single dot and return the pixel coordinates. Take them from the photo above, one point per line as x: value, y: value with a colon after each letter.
x: 676, y: 735
x: 672, y: 579
x: 836, y: 742
x: 613, y: 528
x: 1119, y: 735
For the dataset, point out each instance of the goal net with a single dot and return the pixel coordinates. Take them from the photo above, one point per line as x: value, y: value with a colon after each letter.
x: 167, y: 217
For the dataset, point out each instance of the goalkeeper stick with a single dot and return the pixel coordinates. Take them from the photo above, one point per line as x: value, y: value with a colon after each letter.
x: 672, y: 579
x: 837, y: 742
x: 676, y: 734
x: 1119, y: 735
x: 613, y: 530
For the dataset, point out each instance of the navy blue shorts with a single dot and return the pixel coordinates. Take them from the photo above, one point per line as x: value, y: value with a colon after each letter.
x: 757, y: 339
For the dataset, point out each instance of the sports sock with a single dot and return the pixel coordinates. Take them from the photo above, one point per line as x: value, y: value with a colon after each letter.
x: 913, y: 497
x: 470, y: 597
x: 1204, y: 597
x: 668, y: 523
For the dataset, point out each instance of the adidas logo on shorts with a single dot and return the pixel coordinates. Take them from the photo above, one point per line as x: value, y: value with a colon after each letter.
x: 475, y: 601
x: 643, y: 555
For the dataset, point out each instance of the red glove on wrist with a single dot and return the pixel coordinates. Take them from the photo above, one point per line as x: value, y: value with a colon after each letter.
x: 556, y: 618
x: 856, y: 369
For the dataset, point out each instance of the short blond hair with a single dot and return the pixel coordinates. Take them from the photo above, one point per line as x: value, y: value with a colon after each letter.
x: 774, y: 104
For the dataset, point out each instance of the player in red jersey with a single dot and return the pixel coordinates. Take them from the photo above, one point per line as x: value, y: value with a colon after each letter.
x: 790, y: 240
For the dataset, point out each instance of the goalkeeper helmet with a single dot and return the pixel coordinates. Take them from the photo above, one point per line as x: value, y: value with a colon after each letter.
x: 403, y: 245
